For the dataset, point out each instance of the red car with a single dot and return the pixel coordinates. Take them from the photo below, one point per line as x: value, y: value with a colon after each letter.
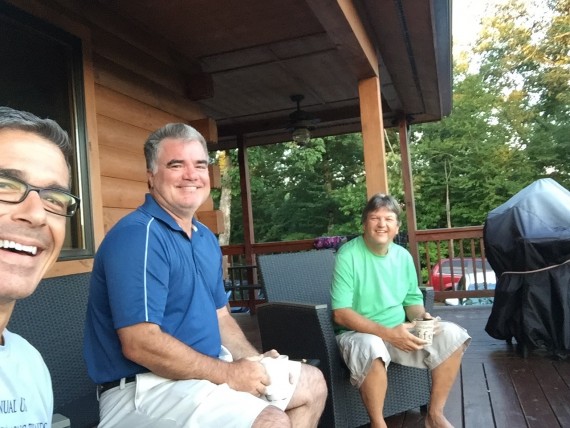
x: 440, y: 277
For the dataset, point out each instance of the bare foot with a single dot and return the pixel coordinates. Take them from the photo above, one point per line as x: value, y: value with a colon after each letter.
x: 437, y: 421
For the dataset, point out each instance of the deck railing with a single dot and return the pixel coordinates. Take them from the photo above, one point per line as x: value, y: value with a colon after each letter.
x: 464, y: 246
x: 241, y: 276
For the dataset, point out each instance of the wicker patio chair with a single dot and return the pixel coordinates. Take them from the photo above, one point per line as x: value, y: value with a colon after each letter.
x: 52, y: 320
x: 297, y: 321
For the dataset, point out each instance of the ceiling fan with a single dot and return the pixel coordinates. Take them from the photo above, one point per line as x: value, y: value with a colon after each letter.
x: 300, y: 122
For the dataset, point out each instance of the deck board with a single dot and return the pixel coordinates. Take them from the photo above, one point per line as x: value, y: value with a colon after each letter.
x: 476, y: 405
x: 454, y: 406
x: 553, y: 387
x: 496, y: 386
x: 533, y: 401
x: 507, y: 411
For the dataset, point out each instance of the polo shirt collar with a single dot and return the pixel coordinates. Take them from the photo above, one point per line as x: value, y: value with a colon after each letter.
x: 154, y: 209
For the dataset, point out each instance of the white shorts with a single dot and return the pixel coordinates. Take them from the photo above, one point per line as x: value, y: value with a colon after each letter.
x: 156, y: 402
x: 359, y: 350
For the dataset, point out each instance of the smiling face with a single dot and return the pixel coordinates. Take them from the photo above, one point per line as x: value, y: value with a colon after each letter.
x: 380, y: 229
x: 180, y: 182
x: 30, y: 237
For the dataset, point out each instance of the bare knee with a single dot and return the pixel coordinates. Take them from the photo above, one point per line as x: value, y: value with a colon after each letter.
x: 377, y: 369
x: 311, y: 391
x: 270, y: 417
x: 318, y: 384
x: 308, y: 400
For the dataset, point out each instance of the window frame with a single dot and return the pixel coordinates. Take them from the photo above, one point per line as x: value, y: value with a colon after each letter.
x: 82, y: 223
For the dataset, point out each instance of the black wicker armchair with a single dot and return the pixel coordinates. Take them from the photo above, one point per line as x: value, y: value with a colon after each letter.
x: 52, y: 320
x: 297, y: 321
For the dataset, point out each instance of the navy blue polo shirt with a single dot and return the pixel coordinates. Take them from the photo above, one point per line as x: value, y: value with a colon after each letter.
x: 147, y: 269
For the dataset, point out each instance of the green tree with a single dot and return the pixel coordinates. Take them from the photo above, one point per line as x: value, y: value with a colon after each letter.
x: 509, y: 122
x: 527, y: 55
x: 301, y: 192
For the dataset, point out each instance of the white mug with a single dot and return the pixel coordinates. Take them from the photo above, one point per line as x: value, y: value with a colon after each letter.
x: 424, y: 329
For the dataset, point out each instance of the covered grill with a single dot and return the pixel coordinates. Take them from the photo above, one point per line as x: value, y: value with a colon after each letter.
x: 527, y: 240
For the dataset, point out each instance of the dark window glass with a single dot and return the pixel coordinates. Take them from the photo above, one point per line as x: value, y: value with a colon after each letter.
x: 42, y: 73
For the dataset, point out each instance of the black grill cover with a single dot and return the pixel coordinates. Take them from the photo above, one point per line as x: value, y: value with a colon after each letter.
x: 527, y: 242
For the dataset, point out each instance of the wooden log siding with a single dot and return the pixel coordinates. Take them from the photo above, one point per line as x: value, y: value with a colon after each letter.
x: 133, y: 85
x: 114, y: 77
x: 118, y: 163
x: 115, y: 133
x: 126, y: 109
x: 211, y: 219
x: 124, y: 124
x: 119, y: 193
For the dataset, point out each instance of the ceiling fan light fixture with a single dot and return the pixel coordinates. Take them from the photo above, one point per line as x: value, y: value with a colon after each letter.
x: 300, y: 122
x: 301, y: 135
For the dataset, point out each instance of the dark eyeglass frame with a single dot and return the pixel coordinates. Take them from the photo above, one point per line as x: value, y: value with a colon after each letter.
x: 71, y: 209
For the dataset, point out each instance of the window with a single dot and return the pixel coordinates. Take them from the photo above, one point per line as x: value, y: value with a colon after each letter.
x: 42, y: 73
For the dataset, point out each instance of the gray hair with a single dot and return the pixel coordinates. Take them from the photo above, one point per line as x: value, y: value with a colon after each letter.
x: 381, y: 200
x: 171, y: 130
x: 45, y: 128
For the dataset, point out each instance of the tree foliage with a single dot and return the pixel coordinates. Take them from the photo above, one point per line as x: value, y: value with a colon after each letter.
x: 300, y: 192
x: 509, y: 124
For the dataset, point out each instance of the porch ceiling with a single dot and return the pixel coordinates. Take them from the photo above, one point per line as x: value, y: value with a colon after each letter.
x: 258, y: 53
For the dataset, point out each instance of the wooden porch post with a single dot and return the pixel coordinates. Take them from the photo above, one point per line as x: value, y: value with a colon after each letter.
x: 373, y: 136
x: 409, y: 195
x: 248, y: 232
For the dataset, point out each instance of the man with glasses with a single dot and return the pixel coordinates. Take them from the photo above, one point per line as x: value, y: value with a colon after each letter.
x: 34, y: 204
x: 375, y: 299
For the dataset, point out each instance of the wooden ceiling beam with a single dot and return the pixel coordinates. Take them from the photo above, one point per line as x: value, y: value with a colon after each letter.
x: 279, y: 123
x: 342, y: 23
x: 207, y: 127
x: 280, y: 136
x: 265, y: 53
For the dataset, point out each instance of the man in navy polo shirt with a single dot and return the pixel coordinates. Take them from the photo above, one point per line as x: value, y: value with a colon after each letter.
x: 159, y: 339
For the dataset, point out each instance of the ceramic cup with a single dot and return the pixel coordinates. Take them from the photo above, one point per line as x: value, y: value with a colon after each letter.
x: 424, y: 329
x: 278, y: 372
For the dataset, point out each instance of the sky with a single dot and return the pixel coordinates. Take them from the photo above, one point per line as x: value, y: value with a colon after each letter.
x: 467, y: 14
x: 466, y: 20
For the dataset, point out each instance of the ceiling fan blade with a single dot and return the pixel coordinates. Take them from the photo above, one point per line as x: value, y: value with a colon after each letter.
x: 300, y: 118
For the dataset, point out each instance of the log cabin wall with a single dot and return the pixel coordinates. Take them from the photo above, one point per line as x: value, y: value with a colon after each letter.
x: 123, y: 125
x: 134, y: 84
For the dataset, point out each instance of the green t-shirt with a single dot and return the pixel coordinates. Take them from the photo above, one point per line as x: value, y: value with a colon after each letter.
x: 377, y: 287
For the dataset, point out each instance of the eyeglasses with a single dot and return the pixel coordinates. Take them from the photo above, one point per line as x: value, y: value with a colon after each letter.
x: 56, y: 201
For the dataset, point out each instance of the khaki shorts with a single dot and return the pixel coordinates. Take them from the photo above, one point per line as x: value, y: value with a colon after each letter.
x: 156, y: 402
x: 359, y: 350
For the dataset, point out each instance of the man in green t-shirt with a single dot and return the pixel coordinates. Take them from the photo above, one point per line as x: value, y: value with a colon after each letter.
x: 375, y: 297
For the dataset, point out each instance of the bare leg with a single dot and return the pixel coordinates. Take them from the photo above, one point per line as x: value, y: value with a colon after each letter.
x: 443, y: 377
x: 373, y: 393
x: 272, y: 417
x: 308, y: 401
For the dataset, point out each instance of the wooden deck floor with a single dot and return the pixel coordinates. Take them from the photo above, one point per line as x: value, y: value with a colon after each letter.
x: 496, y: 386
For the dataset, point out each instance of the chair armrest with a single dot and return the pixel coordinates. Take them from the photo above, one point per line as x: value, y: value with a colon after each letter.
x: 302, y: 331
x: 306, y: 331
x: 429, y: 296
x: 296, y: 329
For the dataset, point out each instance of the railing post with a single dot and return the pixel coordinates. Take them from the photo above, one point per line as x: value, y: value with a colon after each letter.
x: 409, y: 196
x: 248, y: 232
